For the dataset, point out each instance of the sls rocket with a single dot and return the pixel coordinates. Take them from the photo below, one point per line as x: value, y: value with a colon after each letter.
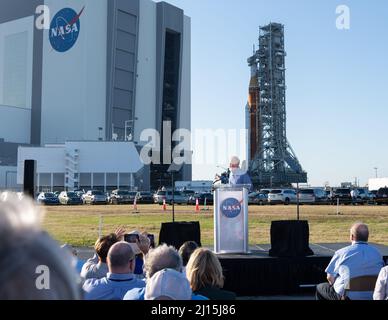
x: 253, y: 112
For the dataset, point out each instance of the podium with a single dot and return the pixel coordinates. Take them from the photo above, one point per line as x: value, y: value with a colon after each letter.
x: 231, y: 219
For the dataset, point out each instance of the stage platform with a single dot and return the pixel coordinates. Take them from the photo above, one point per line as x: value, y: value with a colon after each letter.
x: 258, y: 274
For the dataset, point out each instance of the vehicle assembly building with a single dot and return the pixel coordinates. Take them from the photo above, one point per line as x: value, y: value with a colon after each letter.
x: 272, y: 162
x: 100, y: 71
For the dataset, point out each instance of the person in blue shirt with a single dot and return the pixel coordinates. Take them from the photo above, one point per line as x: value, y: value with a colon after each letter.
x: 237, y: 175
x: 358, y: 259
x: 120, y: 278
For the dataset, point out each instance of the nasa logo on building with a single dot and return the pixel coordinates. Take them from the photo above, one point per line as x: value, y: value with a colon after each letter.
x: 64, y: 29
x: 231, y: 208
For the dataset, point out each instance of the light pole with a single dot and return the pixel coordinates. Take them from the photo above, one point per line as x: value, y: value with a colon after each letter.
x: 174, y: 168
x: 376, y: 172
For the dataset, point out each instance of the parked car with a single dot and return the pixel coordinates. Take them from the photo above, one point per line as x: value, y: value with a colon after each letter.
x: 372, y: 196
x: 95, y: 197
x: 188, y: 193
x: 258, y: 198
x: 201, y: 199
x: 122, y: 196
x: 306, y: 196
x: 179, y: 198
x: 382, y: 196
x: 145, y: 197
x: 343, y: 194
x: 47, y: 198
x: 265, y: 191
x: 284, y: 196
x: 68, y: 198
x: 79, y: 192
x: 312, y: 195
x: 361, y: 193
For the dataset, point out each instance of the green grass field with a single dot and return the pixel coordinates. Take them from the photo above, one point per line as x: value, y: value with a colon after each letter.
x: 79, y: 225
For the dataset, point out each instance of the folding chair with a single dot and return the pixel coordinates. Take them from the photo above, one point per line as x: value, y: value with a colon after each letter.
x: 360, y: 284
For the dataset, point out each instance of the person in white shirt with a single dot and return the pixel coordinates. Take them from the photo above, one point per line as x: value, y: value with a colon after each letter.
x: 381, y: 289
x: 237, y: 175
x: 358, y: 259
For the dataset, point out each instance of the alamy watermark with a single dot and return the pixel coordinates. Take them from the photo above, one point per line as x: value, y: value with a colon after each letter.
x: 42, y: 282
x: 43, y: 17
x: 343, y: 17
x: 212, y: 146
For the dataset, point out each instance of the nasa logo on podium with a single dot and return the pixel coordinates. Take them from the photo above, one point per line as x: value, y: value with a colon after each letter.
x: 231, y: 208
x: 64, y: 29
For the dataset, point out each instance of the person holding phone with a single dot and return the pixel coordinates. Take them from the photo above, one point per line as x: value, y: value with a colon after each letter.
x: 141, y: 244
x: 96, y: 267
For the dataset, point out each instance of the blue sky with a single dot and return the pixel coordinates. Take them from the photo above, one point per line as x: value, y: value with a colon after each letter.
x: 337, y: 85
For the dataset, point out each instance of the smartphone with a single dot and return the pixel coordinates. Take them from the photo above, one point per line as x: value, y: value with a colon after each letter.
x: 131, y: 238
x: 152, y: 240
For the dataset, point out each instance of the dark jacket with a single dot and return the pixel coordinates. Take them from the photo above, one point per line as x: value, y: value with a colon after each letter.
x: 214, y: 293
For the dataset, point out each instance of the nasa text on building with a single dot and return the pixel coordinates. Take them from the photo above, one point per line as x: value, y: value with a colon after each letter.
x: 103, y: 70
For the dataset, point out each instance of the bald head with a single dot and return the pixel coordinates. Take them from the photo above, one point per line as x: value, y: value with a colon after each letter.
x: 121, y: 258
x: 359, y: 232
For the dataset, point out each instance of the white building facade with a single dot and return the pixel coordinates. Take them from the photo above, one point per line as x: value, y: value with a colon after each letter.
x: 85, y: 165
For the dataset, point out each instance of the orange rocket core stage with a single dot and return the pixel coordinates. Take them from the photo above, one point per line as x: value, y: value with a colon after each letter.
x: 253, y: 103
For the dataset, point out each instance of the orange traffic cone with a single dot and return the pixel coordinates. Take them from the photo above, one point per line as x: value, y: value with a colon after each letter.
x: 135, y: 204
x: 197, y: 205
x: 164, y: 205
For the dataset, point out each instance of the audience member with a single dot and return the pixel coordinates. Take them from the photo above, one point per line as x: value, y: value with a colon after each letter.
x: 185, y: 251
x: 381, y: 289
x: 141, y: 248
x: 32, y: 264
x: 120, y: 278
x: 358, y: 259
x: 204, y: 272
x: 162, y: 257
x: 96, y: 267
x: 168, y: 284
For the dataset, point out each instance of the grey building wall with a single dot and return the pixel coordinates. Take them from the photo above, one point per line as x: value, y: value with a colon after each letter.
x: 168, y: 18
x: 169, y: 25
x: 17, y: 9
x: 123, y: 30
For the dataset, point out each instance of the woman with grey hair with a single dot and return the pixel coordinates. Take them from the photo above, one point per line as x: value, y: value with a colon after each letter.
x: 163, y: 257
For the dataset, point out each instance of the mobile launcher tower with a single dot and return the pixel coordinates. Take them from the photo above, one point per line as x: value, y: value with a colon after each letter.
x: 272, y: 162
